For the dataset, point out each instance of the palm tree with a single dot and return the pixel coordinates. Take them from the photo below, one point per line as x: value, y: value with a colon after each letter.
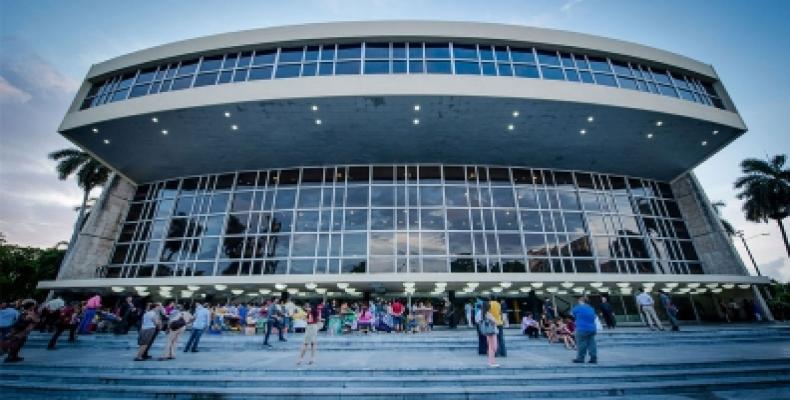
x: 89, y: 173
x: 765, y: 187
x: 728, y: 228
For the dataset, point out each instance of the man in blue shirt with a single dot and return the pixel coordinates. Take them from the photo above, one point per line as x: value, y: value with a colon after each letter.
x: 8, y: 315
x: 585, y: 331
x: 199, y: 325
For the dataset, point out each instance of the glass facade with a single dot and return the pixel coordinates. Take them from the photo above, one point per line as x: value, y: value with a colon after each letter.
x: 371, y: 58
x: 403, y: 218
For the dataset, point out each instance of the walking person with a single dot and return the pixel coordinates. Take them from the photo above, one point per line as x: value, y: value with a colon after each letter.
x: 152, y: 323
x: 176, y: 324
x: 91, y: 306
x: 585, y: 332
x: 549, y: 310
x: 200, y: 322
x: 482, y: 345
x: 496, y: 311
x: 469, y: 314
x: 608, y: 312
x: 669, y: 307
x: 20, y: 330
x: 8, y: 315
x: 489, y: 329
x: 310, y: 333
x: 65, y: 321
x: 275, y: 320
x: 645, y: 303
x: 289, y: 308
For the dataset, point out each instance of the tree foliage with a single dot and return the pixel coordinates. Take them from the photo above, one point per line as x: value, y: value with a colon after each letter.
x: 21, y: 268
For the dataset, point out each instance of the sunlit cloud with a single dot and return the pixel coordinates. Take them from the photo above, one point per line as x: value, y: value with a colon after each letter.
x: 11, y: 94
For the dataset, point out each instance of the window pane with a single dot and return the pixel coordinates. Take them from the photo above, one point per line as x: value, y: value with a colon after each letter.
x: 521, y: 55
x: 345, y: 51
x: 434, y: 50
x: 548, y: 57
x: 438, y: 67
x: 468, y: 51
x: 526, y: 71
x: 287, y: 71
x: 291, y: 55
x: 377, y: 50
x: 347, y: 68
x: 552, y: 73
x: 377, y: 67
x: 467, y: 68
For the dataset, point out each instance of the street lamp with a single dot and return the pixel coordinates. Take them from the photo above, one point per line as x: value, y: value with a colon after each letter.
x: 743, y: 239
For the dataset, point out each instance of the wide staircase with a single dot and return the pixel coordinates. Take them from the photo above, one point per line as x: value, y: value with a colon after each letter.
x: 711, y: 362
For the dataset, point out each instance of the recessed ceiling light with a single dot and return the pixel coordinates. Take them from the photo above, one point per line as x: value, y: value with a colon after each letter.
x: 416, y: 121
x: 583, y: 131
x: 314, y: 107
x: 715, y: 132
x: 318, y: 122
x: 659, y: 123
x: 416, y: 107
x: 164, y: 131
x: 234, y: 127
x: 227, y: 114
x: 106, y: 141
x: 154, y: 119
x: 590, y: 119
x: 704, y: 142
x: 510, y: 127
x: 95, y: 130
x: 649, y: 135
x: 515, y: 114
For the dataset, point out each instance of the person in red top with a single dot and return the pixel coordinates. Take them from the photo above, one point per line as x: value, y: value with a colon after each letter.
x: 397, y: 315
x: 65, y: 321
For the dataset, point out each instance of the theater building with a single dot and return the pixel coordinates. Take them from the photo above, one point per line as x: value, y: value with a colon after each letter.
x: 403, y: 158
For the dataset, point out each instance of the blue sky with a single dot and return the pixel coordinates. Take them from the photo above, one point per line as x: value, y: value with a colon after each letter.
x: 46, y: 47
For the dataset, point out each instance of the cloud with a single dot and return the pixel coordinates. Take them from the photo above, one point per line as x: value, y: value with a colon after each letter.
x: 11, y: 94
x: 569, y: 4
x: 30, y: 73
x: 778, y: 268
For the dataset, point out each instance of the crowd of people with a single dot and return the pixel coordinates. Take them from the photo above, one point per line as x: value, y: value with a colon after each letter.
x: 574, y: 329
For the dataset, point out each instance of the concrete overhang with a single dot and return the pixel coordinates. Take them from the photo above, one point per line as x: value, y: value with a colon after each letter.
x: 370, y: 120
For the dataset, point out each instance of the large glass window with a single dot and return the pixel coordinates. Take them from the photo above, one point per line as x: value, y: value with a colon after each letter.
x: 456, y: 218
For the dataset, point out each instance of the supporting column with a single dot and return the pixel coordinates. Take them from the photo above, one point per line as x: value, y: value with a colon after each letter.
x: 760, y: 301
x: 694, y: 308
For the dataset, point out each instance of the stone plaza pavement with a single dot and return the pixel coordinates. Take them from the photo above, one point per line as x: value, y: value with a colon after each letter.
x: 700, y: 362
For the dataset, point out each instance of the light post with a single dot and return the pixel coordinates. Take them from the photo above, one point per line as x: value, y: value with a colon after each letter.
x: 748, y: 251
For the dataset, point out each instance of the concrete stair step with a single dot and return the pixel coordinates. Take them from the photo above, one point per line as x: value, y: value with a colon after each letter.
x: 152, y: 368
x: 318, y: 380
x: 480, y: 390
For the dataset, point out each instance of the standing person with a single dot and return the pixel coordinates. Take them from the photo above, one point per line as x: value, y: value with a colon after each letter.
x: 20, y: 330
x: 289, y: 308
x: 326, y: 311
x: 505, y: 319
x: 200, y: 322
x: 645, y: 303
x: 126, y: 311
x: 275, y: 318
x: 608, y: 312
x: 8, y: 315
x: 152, y: 323
x: 310, y: 333
x: 93, y: 304
x: 489, y: 329
x: 469, y: 313
x: 50, y: 315
x: 65, y: 321
x: 397, y: 315
x: 585, y: 331
x: 496, y: 311
x: 670, y: 309
x: 548, y: 309
x: 482, y: 345
x: 177, y: 324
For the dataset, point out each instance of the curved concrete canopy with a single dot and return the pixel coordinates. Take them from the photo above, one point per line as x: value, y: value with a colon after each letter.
x: 369, y: 120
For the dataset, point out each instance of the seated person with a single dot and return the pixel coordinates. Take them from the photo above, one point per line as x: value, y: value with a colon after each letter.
x: 411, y: 324
x: 564, y: 334
x: 529, y: 326
x: 365, y: 320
